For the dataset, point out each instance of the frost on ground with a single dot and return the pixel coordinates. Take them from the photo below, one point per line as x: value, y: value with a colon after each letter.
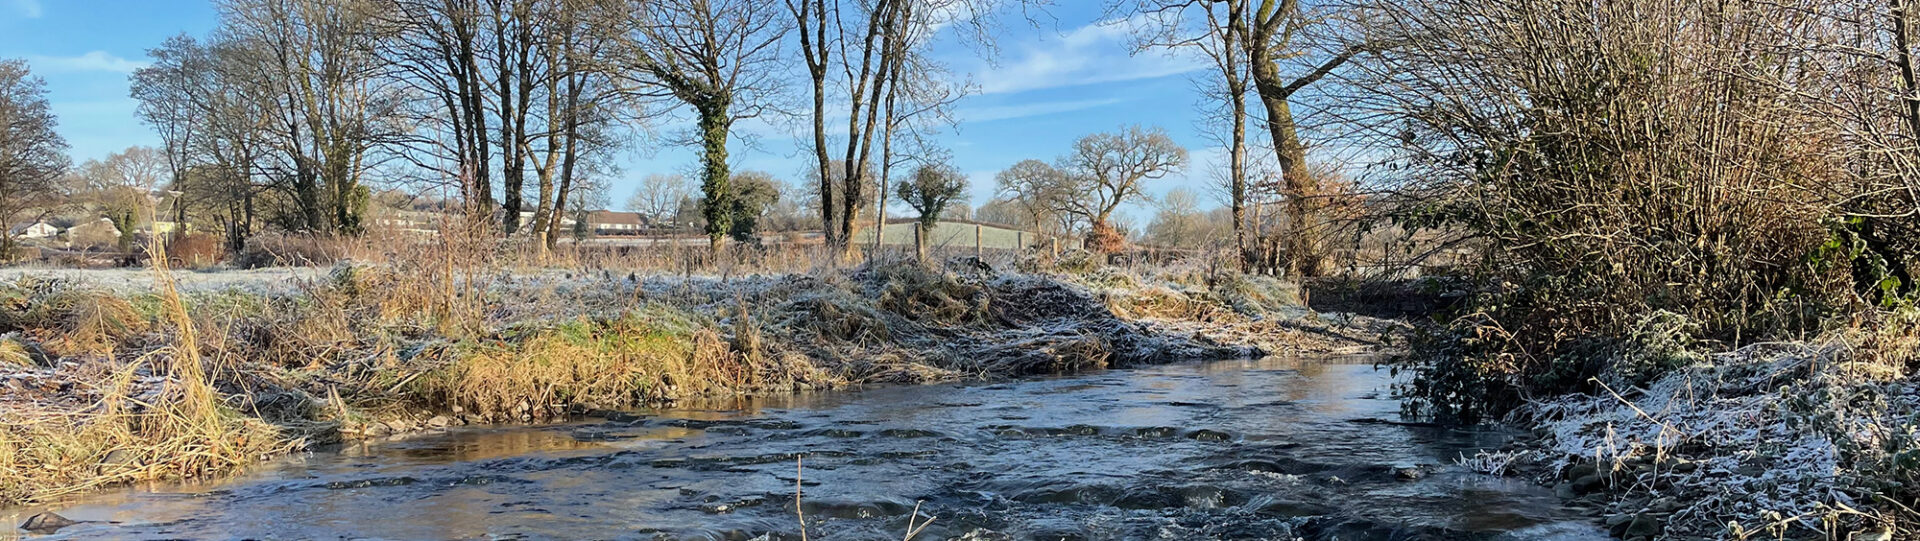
x: 1258, y: 310
x: 1773, y: 440
x: 367, y: 350
x: 264, y: 281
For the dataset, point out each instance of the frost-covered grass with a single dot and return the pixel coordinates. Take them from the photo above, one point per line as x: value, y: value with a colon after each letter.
x: 1793, y: 440
x: 277, y: 280
x: 1260, y: 310
x: 362, y: 350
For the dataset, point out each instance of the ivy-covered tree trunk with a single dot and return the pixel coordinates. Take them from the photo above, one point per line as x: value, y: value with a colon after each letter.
x: 717, y: 208
x: 124, y: 221
x: 349, y: 197
x: 306, y: 193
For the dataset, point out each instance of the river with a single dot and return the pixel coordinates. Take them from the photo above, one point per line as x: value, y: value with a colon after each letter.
x: 1279, y: 448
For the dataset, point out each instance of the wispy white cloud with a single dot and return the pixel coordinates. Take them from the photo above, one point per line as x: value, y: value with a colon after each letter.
x: 1029, y: 110
x: 1096, y: 53
x: 92, y: 61
x: 28, y: 8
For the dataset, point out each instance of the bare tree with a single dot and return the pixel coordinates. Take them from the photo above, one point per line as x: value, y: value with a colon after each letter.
x: 1179, y: 222
x: 1039, y: 192
x: 517, y: 71
x: 524, y: 80
x: 319, y: 59
x: 438, y: 54
x: 658, y: 196
x: 32, y: 155
x: 1106, y: 169
x: 1275, y: 34
x: 582, y: 108
x: 876, y: 50
x: 1087, y: 185
x: 123, y: 184
x: 1221, y: 30
x: 214, y: 124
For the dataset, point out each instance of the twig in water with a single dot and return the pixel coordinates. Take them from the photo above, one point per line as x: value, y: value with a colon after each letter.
x: 911, y: 530
x: 797, y: 512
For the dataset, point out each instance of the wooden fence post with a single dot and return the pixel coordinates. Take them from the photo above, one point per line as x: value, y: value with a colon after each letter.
x: 979, y: 244
x: 920, y: 241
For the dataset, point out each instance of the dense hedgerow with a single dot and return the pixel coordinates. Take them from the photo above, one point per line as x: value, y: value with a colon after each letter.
x: 1642, y: 158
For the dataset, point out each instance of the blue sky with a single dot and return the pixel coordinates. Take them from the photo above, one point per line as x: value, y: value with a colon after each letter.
x: 1046, y: 87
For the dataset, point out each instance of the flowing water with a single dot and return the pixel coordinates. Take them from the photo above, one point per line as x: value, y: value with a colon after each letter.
x: 1271, y: 449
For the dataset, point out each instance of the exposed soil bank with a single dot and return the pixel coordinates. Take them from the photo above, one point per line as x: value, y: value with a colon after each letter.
x: 109, y: 383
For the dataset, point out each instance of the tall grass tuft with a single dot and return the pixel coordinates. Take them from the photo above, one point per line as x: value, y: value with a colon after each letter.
x: 177, y: 427
x: 645, y: 355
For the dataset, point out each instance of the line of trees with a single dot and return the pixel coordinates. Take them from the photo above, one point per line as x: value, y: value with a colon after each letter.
x: 1083, y: 188
x: 1272, y: 51
x: 291, y: 109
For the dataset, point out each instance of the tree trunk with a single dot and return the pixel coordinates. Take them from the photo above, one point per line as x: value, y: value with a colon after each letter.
x: 714, y: 175
x: 572, y: 154
x: 879, y: 54
x: 1306, y: 252
x: 476, y: 110
x: 512, y: 44
x: 892, y: 80
x: 1236, y: 29
x: 557, y: 118
x: 812, y: 19
x: 1903, y: 59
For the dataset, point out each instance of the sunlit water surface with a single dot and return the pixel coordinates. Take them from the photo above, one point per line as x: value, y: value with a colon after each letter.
x: 1271, y: 449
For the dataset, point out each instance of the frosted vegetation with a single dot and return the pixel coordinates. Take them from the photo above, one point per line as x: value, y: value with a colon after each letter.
x: 363, y: 350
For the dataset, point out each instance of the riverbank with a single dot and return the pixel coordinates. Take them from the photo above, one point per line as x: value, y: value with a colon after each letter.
x: 1235, y: 449
x: 110, y: 383
x: 1801, y: 440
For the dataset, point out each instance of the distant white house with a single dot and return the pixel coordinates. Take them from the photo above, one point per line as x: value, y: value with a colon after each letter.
x: 35, y: 230
x: 607, y: 222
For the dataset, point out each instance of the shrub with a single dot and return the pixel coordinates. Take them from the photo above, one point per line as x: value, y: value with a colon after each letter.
x: 1653, y: 179
x: 291, y: 249
x: 195, y: 250
x: 1105, y: 240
